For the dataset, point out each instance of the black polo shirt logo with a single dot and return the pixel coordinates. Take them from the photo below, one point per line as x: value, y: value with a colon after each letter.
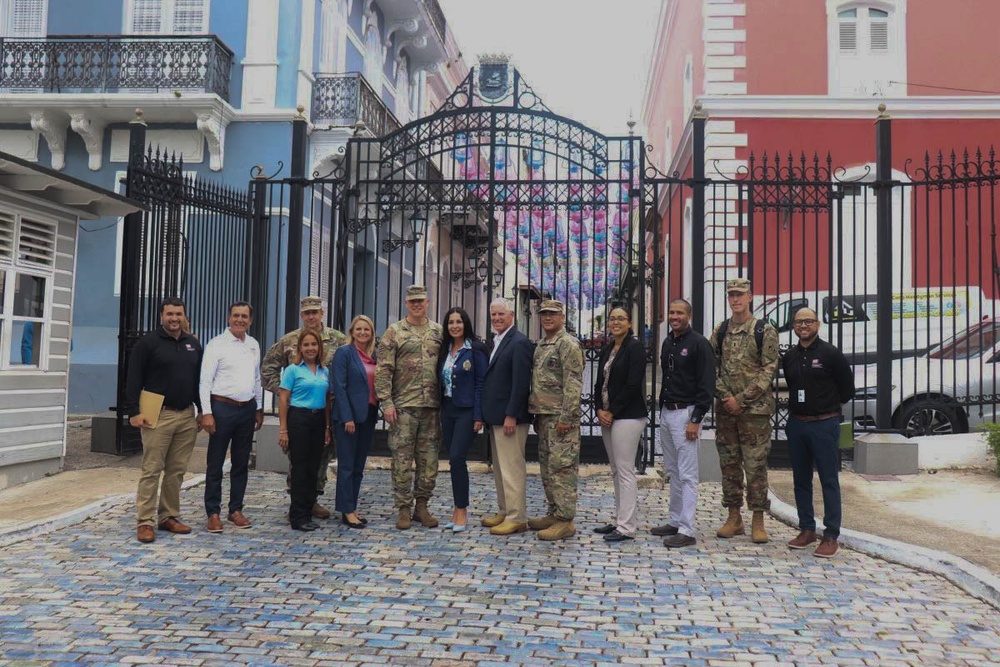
x: 189, y: 347
x: 684, y: 352
x: 817, y: 364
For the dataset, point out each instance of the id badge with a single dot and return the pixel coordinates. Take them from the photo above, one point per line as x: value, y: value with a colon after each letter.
x: 802, y: 396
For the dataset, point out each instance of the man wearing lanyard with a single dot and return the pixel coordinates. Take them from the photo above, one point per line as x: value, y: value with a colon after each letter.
x: 820, y: 381
x: 232, y: 399
x: 688, y: 365
x: 166, y: 362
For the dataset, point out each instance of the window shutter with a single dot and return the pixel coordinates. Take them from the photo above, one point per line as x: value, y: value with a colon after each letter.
x: 27, y: 18
x: 848, y: 36
x: 189, y: 17
x: 6, y: 237
x: 36, y: 244
x: 880, y: 36
x: 147, y: 17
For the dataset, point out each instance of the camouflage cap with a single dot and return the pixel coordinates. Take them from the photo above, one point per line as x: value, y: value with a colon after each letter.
x: 551, y: 306
x: 416, y: 293
x: 310, y: 303
x: 738, y: 285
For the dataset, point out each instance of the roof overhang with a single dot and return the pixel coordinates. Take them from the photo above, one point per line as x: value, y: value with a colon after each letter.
x: 84, y: 199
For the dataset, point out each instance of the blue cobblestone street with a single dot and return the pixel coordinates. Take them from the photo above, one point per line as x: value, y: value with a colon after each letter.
x: 91, y: 594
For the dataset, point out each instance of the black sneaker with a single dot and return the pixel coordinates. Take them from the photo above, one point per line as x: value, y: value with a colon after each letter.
x: 679, y: 540
x: 605, y: 529
x: 665, y: 529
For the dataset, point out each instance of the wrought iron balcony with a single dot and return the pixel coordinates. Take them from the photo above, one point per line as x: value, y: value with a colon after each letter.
x: 345, y: 99
x: 116, y: 64
x: 437, y: 17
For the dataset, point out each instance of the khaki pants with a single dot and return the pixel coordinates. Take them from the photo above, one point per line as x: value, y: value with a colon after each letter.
x: 509, y: 471
x: 166, y: 450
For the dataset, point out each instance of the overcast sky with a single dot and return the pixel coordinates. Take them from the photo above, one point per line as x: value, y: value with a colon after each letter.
x: 586, y: 59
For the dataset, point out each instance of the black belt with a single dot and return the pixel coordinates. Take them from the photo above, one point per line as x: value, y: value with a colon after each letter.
x: 170, y: 409
x: 816, y: 418
x: 309, y: 410
x: 676, y: 406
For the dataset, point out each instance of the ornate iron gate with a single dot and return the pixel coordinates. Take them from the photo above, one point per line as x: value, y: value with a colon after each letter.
x: 494, y: 195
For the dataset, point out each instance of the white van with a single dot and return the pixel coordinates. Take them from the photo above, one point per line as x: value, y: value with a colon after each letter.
x: 921, y: 318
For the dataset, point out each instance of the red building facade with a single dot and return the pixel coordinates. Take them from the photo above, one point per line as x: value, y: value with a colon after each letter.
x: 804, y: 79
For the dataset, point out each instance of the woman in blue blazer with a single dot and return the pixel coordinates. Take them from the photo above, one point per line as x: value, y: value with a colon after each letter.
x: 462, y: 366
x: 355, y: 411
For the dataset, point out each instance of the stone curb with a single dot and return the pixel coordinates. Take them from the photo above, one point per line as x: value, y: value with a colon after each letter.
x: 26, y: 531
x: 973, y: 579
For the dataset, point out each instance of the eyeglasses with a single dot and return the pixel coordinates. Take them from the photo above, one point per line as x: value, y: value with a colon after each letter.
x: 805, y: 323
x: 617, y: 319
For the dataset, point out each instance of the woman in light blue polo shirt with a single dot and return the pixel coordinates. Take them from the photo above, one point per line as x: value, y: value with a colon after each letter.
x: 304, y: 415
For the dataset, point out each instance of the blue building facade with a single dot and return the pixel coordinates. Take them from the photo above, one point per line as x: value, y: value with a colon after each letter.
x: 218, y: 82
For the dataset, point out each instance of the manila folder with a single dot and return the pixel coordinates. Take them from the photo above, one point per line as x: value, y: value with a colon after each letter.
x: 150, y: 405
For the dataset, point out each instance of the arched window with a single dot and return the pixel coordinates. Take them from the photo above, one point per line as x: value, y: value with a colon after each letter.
x: 688, y: 87
x: 374, y: 55
x: 402, y: 91
x: 867, y: 48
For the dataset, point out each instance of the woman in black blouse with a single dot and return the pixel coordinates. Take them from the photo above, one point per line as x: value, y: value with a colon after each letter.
x: 620, y: 400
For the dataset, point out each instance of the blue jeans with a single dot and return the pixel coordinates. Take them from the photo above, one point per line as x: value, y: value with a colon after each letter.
x: 816, y: 443
x: 352, y: 453
x: 457, y: 434
x: 233, y: 424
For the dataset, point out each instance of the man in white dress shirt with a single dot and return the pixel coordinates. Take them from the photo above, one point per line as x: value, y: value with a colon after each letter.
x: 232, y: 403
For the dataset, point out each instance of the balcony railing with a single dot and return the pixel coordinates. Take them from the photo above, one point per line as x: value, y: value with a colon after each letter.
x: 345, y: 99
x: 116, y: 64
x: 437, y: 18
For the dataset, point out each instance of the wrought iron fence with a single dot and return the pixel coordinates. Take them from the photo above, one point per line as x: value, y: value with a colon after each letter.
x: 345, y: 99
x: 108, y: 64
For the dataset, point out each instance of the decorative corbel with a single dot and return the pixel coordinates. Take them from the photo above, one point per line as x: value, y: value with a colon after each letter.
x: 409, y: 26
x: 92, y: 131
x: 53, y: 127
x: 213, y: 126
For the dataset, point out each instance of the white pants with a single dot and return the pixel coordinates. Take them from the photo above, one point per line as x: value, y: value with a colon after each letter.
x: 622, y: 442
x: 680, y: 461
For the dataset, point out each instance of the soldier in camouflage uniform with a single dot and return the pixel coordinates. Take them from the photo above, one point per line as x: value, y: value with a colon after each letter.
x: 406, y: 383
x: 556, y: 384
x: 281, y: 354
x: 743, y: 409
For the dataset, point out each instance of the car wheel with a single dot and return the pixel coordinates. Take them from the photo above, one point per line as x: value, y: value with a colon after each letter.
x: 930, y: 418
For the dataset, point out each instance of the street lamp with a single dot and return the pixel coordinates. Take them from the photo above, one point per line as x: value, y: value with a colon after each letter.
x: 417, y: 225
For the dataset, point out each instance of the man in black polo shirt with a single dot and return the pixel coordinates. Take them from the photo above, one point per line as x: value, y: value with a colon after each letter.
x: 167, y: 362
x: 820, y: 381
x: 688, y: 365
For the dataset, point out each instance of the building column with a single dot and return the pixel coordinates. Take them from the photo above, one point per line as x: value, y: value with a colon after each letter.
x: 260, y: 65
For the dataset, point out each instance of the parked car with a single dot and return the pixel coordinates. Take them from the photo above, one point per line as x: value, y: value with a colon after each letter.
x: 950, y: 389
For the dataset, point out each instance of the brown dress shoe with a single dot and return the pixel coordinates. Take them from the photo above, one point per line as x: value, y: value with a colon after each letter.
x: 145, y: 534
x: 172, y: 525
x: 214, y: 524
x: 236, y: 518
x: 827, y: 548
x: 802, y: 540
x: 320, y: 512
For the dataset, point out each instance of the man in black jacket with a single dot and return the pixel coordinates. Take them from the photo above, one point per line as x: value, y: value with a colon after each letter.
x: 166, y: 362
x: 505, y: 411
x: 688, y: 365
x: 820, y: 381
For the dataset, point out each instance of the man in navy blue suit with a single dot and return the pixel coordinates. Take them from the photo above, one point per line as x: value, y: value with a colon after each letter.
x: 505, y: 411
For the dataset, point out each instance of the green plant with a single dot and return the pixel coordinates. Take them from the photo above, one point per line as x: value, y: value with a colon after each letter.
x: 993, y: 441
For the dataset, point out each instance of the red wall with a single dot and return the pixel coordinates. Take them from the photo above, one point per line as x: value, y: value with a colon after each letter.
x: 952, y: 44
x: 786, y: 47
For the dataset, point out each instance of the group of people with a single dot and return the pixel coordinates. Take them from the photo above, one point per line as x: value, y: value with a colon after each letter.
x: 437, y: 384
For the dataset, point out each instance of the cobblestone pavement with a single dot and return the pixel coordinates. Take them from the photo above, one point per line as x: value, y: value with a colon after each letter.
x: 269, y: 596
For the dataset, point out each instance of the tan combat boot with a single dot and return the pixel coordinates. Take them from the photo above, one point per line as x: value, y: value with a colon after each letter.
x: 495, y: 520
x: 757, y: 533
x: 560, y: 530
x: 403, y: 521
x: 423, y: 515
x: 733, y: 525
x: 542, y: 523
